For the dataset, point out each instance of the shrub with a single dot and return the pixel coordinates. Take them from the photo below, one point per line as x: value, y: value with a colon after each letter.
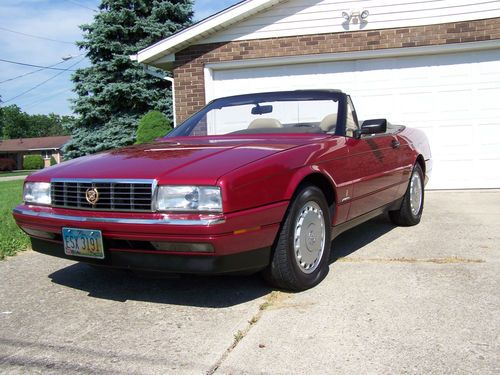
x: 7, y: 164
x: 53, y: 161
x: 152, y: 125
x: 33, y: 162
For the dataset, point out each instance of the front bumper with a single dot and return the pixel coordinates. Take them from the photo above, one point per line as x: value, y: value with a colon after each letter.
x: 241, y: 241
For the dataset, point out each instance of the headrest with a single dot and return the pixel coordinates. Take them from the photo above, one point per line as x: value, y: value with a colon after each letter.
x: 265, y: 123
x: 329, y: 122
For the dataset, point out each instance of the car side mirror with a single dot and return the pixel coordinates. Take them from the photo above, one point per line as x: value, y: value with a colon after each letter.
x: 374, y: 126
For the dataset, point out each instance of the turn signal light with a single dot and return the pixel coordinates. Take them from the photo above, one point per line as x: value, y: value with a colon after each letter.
x: 246, y: 230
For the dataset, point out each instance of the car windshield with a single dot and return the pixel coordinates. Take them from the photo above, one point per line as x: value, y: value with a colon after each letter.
x: 288, y: 112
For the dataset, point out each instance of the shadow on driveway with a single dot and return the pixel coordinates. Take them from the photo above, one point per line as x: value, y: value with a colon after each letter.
x: 360, y: 236
x: 187, y: 290
x: 200, y: 291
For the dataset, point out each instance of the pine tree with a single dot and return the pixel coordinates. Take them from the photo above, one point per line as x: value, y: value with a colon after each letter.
x: 114, y: 92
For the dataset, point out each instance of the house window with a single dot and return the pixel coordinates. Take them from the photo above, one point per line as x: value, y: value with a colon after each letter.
x: 46, y: 154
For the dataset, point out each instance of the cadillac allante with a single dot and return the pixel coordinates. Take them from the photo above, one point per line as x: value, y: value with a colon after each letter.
x: 255, y: 182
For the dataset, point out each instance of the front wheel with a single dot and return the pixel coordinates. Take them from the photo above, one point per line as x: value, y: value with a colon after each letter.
x: 302, y: 249
x: 412, y: 206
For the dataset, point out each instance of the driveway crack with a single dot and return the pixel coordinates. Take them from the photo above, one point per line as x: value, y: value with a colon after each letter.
x: 239, y: 335
x: 446, y: 260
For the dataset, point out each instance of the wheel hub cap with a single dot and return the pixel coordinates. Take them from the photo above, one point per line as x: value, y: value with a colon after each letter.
x: 415, y: 194
x: 309, y: 237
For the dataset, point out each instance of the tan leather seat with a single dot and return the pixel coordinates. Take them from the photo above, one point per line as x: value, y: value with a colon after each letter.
x: 329, y: 123
x: 259, y: 123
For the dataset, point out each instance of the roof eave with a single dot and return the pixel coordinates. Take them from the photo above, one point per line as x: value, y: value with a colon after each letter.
x: 153, y: 55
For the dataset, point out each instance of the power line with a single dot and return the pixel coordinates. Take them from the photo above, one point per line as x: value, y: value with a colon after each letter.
x: 81, y: 5
x: 29, y: 73
x: 36, y: 36
x: 34, y: 66
x: 44, y: 99
x: 43, y: 82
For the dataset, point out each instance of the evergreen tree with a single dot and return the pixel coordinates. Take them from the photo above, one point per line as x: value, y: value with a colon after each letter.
x: 114, y: 92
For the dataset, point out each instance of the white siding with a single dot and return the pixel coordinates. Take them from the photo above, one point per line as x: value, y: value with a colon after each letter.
x: 303, y: 17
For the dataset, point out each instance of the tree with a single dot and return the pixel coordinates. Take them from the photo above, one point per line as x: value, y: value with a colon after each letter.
x: 19, y: 124
x: 114, y: 92
x: 15, y: 123
x: 1, y: 118
x: 153, y: 125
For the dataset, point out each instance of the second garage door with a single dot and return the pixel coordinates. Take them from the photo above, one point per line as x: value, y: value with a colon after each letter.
x: 452, y: 97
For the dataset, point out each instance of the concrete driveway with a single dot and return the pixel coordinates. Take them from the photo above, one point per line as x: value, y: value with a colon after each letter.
x: 398, y: 300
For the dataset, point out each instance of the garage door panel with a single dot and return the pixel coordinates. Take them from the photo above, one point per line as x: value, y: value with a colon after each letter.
x: 489, y: 98
x: 453, y: 142
x: 452, y: 97
x: 489, y: 134
x: 462, y: 174
x: 453, y: 171
x: 488, y: 141
x: 489, y: 169
x: 454, y: 100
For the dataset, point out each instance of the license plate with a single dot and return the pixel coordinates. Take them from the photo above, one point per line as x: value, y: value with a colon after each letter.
x: 83, y: 243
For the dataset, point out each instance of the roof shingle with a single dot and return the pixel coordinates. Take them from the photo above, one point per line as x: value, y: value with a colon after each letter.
x: 29, y: 144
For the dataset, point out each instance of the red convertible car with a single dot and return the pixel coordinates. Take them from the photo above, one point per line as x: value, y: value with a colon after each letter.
x: 249, y: 183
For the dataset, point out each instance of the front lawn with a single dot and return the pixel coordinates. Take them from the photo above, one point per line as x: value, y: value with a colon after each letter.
x: 12, y: 239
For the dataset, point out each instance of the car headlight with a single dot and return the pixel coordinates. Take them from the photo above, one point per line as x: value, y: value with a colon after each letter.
x: 188, y: 198
x: 37, y: 193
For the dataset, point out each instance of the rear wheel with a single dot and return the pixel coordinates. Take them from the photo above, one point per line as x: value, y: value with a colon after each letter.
x: 412, y: 206
x: 302, y: 249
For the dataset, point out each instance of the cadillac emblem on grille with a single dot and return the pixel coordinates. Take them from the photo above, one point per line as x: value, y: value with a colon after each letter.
x: 92, y: 196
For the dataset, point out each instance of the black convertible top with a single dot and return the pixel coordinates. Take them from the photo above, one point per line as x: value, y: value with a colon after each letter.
x: 278, y: 95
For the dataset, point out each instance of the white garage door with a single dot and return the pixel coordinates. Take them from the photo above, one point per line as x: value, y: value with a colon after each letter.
x: 454, y: 98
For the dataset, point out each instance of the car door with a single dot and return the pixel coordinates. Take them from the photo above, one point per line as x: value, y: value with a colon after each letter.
x: 374, y: 164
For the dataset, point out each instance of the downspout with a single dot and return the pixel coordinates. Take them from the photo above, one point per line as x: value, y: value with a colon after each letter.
x: 157, y: 74
x: 171, y: 80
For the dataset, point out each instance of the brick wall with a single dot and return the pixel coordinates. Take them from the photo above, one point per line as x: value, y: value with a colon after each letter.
x: 188, y: 71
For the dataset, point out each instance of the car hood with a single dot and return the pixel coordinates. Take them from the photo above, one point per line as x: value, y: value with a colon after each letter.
x: 200, y: 160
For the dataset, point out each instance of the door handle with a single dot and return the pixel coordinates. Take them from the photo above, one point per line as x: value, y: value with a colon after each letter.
x: 395, y: 143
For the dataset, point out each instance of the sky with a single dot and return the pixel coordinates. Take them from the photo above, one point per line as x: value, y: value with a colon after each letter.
x: 56, y: 22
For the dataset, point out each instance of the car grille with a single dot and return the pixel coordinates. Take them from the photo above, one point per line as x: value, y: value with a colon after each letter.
x: 113, y: 195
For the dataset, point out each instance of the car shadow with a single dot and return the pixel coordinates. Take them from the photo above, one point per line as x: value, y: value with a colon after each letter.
x: 359, y: 236
x: 187, y: 290
x: 194, y: 290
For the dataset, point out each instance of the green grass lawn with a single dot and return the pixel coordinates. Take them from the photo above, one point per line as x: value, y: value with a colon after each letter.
x: 12, y: 239
x: 15, y: 173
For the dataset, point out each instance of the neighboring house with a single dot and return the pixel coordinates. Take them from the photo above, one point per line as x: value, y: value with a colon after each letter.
x: 47, y: 147
x: 434, y: 65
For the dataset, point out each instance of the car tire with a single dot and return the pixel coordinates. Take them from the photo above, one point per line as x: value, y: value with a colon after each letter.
x: 410, y: 212
x: 300, y: 258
